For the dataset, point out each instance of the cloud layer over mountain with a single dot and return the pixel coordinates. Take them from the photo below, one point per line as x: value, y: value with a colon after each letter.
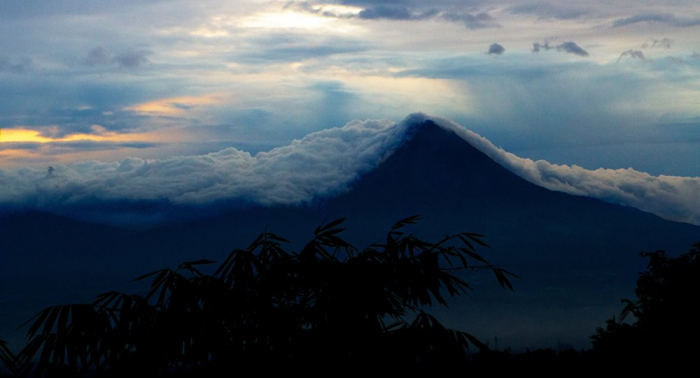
x: 671, y: 197
x: 321, y: 164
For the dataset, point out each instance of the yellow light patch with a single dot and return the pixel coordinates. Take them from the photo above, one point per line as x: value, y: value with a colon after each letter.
x: 286, y: 20
x: 174, y: 106
x: 209, y: 32
x: 21, y: 135
x: 24, y: 135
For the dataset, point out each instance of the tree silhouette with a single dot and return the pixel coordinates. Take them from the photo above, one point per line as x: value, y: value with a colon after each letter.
x: 666, y: 328
x: 263, y: 306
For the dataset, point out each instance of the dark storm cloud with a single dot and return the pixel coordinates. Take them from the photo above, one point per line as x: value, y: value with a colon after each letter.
x: 567, y: 47
x: 22, y: 66
x: 666, y: 18
x: 547, y: 11
x: 497, y: 49
x: 634, y: 54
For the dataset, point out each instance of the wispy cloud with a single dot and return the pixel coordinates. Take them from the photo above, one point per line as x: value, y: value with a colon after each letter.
x: 664, y: 18
x: 21, y: 66
x: 537, y: 47
x: 634, y: 54
x: 51, y: 138
x: 133, y: 58
x: 279, y: 48
x: 66, y: 67
x: 547, y: 10
x: 395, y: 12
x: 55, y: 148
x: 174, y: 106
x: 659, y: 43
x: 468, y: 15
x: 567, y: 47
x: 98, y: 56
x: 479, y: 20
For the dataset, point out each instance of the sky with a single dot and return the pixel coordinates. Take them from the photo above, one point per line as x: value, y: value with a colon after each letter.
x: 120, y: 84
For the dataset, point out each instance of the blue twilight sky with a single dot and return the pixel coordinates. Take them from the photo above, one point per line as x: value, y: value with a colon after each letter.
x: 611, y: 84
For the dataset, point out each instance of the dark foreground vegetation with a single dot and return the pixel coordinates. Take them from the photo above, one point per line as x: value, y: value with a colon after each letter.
x: 334, y: 306
x: 667, y: 313
x: 265, y: 307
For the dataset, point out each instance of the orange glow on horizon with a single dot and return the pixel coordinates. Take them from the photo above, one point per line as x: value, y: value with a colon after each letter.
x: 23, y: 135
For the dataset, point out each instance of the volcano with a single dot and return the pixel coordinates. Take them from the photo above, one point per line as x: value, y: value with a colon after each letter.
x: 577, y: 257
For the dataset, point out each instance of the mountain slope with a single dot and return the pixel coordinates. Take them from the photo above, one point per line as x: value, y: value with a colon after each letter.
x: 577, y: 256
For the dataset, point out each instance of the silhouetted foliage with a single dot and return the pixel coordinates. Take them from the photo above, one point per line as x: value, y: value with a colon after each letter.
x: 8, y: 359
x: 666, y: 328
x: 263, y: 306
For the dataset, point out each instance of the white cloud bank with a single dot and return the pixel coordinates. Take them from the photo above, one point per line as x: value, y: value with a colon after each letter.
x: 321, y: 164
x: 670, y: 197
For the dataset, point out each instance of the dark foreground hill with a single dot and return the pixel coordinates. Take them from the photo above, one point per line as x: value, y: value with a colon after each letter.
x: 577, y: 256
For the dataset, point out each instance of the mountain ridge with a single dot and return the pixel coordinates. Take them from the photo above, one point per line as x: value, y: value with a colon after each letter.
x: 578, y: 256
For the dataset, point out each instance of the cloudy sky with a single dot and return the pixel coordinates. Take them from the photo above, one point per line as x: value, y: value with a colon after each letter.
x: 610, y: 84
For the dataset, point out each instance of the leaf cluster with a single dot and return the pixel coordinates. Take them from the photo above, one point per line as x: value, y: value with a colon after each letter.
x: 328, y: 303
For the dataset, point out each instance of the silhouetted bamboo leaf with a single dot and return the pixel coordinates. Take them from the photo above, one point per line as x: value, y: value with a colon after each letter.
x: 501, y: 277
x: 329, y: 226
x: 476, y: 238
x: 474, y: 341
x: 8, y: 358
x: 408, y: 220
x: 264, y: 303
